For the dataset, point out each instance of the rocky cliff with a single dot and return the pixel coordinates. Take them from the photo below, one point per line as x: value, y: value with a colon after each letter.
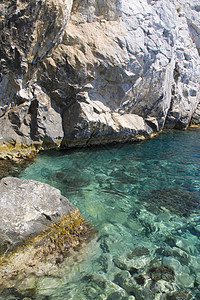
x: 81, y: 72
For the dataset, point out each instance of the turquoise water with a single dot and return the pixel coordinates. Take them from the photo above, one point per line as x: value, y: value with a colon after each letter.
x: 144, y: 200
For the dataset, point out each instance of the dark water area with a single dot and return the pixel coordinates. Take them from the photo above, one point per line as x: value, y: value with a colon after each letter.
x: 11, y: 168
x: 144, y: 200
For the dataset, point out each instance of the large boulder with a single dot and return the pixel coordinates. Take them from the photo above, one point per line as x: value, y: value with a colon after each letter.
x: 30, y: 208
x: 39, y: 230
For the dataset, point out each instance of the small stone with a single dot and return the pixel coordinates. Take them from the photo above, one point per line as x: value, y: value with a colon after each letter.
x: 178, y: 295
x: 120, y: 262
x: 172, y: 263
x: 91, y: 293
x: 161, y: 286
x: 114, y: 296
x: 140, y: 279
x: 124, y: 280
x: 28, y: 283
x: 182, y: 256
x: 133, y: 271
x: 114, y: 290
x: 161, y: 272
x: 197, y: 228
x: 195, y: 263
x: 198, y: 278
x: 185, y: 280
x: 99, y: 279
x: 164, y: 251
x: 187, y: 245
x: 138, y: 251
x: 46, y: 285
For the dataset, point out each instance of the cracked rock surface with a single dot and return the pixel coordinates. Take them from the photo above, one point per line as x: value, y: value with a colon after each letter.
x: 27, y: 208
x: 80, y: 72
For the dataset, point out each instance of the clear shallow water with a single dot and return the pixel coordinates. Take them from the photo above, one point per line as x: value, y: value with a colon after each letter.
x: 144, y: 200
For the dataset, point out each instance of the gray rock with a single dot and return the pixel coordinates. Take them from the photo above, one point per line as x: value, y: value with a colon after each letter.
x: 185, y: 280
x: 173, y: 263
x: 27, y: 208
x: 87, y: 72
x: 196, y: 116
x: 129, y: 284
x: 121, y: 263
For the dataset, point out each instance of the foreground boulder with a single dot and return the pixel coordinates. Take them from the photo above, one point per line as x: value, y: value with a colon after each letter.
x: 36, y: 213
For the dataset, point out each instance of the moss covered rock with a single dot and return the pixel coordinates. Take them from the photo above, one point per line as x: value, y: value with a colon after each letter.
x: 38, y: 229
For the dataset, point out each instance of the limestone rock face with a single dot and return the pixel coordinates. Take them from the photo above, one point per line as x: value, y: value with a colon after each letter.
x: 196, y: 116
x: 29, y: 32
x: 93, y: 71
x: 27, y: 208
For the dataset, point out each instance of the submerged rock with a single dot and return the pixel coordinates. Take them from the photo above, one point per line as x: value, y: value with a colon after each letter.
x: 178, y: 295
x: 28, y: 208
x: 161, y: 272
x: 177, y: 201
x: 138, y: 251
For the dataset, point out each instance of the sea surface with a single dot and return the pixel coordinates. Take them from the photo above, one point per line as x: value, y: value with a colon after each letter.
x: 144, y: 201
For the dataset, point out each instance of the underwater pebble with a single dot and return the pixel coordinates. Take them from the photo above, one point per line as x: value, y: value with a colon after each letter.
x: 138, y: 251
x: 129, y: 284
x: 197, y: 228
x: 195, y: 263
x: 185, y: 280
x: 140, y: 262
x: 161, y: 272
x: 115, y: 296
x: 46, y: 285
x: 181, y: 255
x: 188, y: 245
x: 112, y: 288
x: 198, y: 278
x: 164, y: 251
x: 99, y: 279
x: 126, y: 281
x: 162, y: 286
x: 28, y: 283
x: 91, y: 292
x: 120, y: 262
x: 179, y: 295
x: 172, y: 263
x: 101, y: 297
x: 135, y: 263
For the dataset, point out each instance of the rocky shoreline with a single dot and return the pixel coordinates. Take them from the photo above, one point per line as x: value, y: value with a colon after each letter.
x: 77, y: 73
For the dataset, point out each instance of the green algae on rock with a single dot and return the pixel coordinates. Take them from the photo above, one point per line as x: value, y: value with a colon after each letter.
x: 38, y: 229
x: 177, y: 201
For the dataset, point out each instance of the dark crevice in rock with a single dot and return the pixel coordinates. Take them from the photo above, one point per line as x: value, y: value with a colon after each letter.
x: 33, y: 126
x: 47, y: 217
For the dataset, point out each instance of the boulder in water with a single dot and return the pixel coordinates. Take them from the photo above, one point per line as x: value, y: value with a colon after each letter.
x: 36, y: 213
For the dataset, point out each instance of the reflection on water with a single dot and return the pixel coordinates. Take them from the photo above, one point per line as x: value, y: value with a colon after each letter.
x: 144, y: 201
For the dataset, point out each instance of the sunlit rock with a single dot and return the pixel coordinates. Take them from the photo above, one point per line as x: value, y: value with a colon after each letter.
x: 78, y: 73
x: 38, y: 229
